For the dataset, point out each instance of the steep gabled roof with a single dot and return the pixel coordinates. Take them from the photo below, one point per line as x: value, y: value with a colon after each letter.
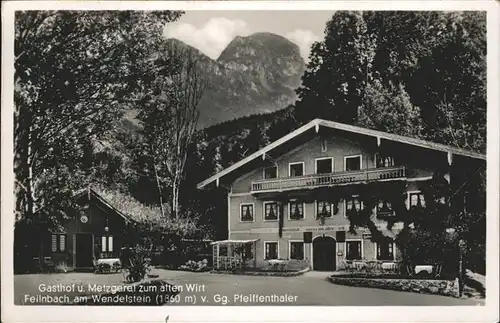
x: 91, y: 192
x: 316, y: 123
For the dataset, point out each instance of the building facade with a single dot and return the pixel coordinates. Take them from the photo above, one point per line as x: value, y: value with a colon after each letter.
x: 293, y: 199
x: 93, y: 230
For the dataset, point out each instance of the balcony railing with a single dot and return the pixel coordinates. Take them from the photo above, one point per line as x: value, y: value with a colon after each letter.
x: 329, y: 179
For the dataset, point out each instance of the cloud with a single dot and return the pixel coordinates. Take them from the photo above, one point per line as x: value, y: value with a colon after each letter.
x: 304, y: 39
x: 211, y: 38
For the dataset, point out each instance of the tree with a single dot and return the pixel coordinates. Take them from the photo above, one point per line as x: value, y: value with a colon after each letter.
x: 389, y: 108
x: 338, y: 70
x: 74, y: 73
x: 170, y: 115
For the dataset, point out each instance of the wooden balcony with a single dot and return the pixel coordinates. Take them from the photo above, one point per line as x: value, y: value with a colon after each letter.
x: 330, y: 179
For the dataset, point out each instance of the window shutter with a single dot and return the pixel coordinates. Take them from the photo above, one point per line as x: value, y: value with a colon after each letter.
x: 62, y: 242
x: 110, y: 243
x: 54, y: 243
x: 103, y: 247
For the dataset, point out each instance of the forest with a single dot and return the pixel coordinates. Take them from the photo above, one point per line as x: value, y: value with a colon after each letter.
x: 419, y: 74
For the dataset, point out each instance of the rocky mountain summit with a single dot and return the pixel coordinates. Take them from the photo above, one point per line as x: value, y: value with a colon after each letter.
x: 254, y: 74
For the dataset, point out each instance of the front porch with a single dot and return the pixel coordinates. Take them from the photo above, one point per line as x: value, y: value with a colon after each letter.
x: 234, y: 254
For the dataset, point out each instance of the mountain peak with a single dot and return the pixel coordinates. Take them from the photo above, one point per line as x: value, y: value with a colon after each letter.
x: 261, y: 43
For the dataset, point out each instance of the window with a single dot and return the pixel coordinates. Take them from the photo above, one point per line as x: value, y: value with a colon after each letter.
x: 246, y: 213
x: 270, y: 211
x: 385, y: 250
x: 324, y: 165
x: 271, y: 250
x: 58, y: 242
x: 223, y: 252
x: 296, y: 169
x: 323, y: 208
x: 352, y: 163
x: 417, y: 199
x: 383, y: 161
x: 296, y: 210
x: 324, y: 145
x: 353, y: 203
x: 107, y: 244
x: 353, y: 250
x: 384, y: 208
x: 297, y: 250
x: 270, y: 172
x: 247, y: 251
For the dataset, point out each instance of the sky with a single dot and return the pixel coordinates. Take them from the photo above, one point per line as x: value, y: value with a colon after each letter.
x: 211, y: 31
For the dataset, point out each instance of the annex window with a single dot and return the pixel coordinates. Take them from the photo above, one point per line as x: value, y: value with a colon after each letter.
x: 270, y: 211
x: 296, y: 210
x: 107, y: 244
x: 352, y: 163
x: 270, y: 172
x: 324, y: 165
x: 246, y: 213
x: 297, y: 250
x: 296, y: 169
x: 384, y: 161
x: 58, y: 243
x: 353, y: 250
x: 271, y: 250
x: 417, y: 199
x: 323, y: 208
x: 385, y: 250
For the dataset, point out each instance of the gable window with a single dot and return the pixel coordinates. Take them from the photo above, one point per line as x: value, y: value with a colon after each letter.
x: 296, y: 210
x: 416, y: 200
x: 270, y: 172
x: 323, y: 208
x: 58, y: 243
x: 246, y: 212
x: 353, y: 250
x: 385, y: 250
x: 271, y: 250
x: 352, y: 163
x: 297, y: 250
x: 384, y: 208
x: 270, y: 211
x: 296, y: 169
x: 384, y: 161
x: 324, y: 165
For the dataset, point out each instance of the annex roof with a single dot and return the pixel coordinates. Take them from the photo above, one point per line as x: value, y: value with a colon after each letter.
x: 317, y: 123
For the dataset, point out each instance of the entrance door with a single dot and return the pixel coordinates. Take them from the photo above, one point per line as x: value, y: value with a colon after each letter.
x: 84, y: 253
x: 324, y: 254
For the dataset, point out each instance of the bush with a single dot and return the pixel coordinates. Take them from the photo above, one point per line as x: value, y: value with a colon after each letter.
x: 195, y: 265
x: 139, y: 264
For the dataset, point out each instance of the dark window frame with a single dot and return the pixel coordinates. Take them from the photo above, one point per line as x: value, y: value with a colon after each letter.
x: 292, y: 250
x: 266, y: 244
x: 243, y: 212
x: 349, y: 252
x: 292, y: 206
x: 319, y: 208
x: 276, y: 207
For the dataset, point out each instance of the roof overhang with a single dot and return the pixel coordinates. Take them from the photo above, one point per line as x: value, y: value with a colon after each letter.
x: 227, y: 242
x: 317, y: 123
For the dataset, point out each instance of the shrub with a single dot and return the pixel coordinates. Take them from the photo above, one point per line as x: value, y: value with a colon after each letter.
x: 191, y: 265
